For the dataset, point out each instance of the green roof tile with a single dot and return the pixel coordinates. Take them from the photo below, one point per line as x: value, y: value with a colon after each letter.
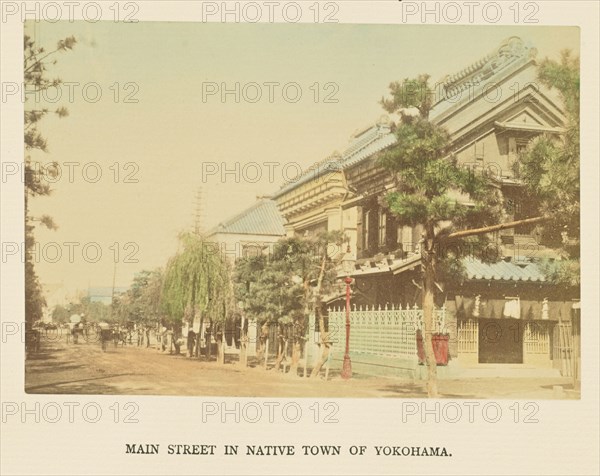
x: 262, y: 218
x: 518, y: 270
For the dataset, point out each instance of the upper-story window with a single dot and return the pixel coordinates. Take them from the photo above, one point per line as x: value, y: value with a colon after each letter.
x: 382, y: 228
x: 521, y: 146
x: 366, y: 220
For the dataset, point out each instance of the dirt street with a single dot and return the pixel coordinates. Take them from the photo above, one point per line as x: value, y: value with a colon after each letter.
x: 83, y: 368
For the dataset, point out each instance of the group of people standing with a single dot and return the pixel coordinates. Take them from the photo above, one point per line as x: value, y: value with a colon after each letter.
x: 123, y: 335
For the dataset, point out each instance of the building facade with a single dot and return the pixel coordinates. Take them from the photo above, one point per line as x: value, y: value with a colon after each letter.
x: 252, y: 232
x: 503, y: 313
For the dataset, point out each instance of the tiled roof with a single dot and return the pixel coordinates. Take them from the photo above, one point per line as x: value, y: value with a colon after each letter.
x: 379, y: 143
x: 369, y: 267
x: 512, y: 53
x: 372, y: 140
x: 521, y: 270
x: 262, y: 218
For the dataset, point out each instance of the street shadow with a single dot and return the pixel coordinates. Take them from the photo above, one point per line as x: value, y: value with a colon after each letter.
x: 69, y: 389
x: 42, y: 355
x: 405, y: 390
x: 458, y: 396
x: 60, y: 368
x: 91, y: 388
x: 414, y: 390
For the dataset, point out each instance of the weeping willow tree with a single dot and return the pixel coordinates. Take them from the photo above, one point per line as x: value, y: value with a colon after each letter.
x: 197, y: 283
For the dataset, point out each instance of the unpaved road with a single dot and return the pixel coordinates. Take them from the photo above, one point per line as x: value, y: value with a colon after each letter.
x: 83, y: 368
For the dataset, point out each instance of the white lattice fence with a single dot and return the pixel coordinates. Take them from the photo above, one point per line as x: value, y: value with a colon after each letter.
x: 468, y: 337
x: 388, y: 332
x: 536, y: 339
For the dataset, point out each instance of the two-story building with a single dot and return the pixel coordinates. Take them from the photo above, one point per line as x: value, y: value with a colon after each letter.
x: 491, y: 109
x: 251, y: 232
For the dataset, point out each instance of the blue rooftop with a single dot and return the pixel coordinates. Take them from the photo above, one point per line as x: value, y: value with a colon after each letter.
x: 262, y: 218
x: 518, y: 270
x: 363, y: 145
x: 512, y: 53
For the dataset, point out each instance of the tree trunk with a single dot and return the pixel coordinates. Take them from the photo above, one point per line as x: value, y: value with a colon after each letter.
x: 175, y: 338
x: 220, y: 352
x: 189, y: 343
x: 428, y: 260
x: 208, y: 339
x: 244, y: 350
x: 200, y: 331
x: 492, y: 228
x: 296, y: 351
x: 324, y: 335
x: 324, y: 356
x: 243, y: 343
x: 280, y: 349
x: 262, y: 342
x: 219, y: 334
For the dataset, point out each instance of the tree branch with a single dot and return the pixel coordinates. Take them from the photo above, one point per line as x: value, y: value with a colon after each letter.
x: 39, y: 61
x: 490, y: 229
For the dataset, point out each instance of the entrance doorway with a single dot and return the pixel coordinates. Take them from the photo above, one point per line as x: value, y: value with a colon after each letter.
x: 500, y: 341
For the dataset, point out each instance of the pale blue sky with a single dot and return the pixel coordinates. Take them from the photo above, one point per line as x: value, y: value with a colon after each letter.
x: 170, y: 132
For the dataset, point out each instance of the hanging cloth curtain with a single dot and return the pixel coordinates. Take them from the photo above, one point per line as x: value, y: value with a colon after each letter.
x: 512, y: 308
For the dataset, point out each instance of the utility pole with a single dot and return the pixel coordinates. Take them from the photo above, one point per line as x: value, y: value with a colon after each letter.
x: 199, y: 212
x: 112, y: 294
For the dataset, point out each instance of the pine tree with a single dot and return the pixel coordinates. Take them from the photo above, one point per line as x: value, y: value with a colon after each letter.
x: 35, y: 81
x: 285, y: 287
x: 449, y: 202
x: 550, y: 169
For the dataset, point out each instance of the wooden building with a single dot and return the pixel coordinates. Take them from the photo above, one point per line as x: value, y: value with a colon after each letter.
x: 503, y: 313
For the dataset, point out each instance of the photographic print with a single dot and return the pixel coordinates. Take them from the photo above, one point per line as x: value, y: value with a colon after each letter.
x: 439, y: 245
x: 278, y: 237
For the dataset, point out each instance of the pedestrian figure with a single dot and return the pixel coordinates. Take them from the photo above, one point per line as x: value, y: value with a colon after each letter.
x: 147, y: 337
x: 106, y: 334
x: 191, y: 339
x: 207, y: 338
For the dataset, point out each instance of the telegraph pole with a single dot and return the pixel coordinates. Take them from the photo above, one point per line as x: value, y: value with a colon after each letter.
x: 112, y: 294
x: 199, y: 211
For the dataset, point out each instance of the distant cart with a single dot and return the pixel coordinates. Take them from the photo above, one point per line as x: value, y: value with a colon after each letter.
x: 106, y: 334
